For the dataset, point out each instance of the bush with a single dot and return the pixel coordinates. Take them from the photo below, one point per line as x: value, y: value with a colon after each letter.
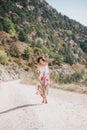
x: 3, y: 57
x: 69, y: 58
x: 77, y: 76
x: 64, y: 79
x: 28, y: 52
x: 8, y: 26
x: 45, y: 49
x: 15, y: 50
x: 38, y: 52
x: 23, y: 36
x: 67, y: 79
x: 39, y: 42
x: 57, y: 58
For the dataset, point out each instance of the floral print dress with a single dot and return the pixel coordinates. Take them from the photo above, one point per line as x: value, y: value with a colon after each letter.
x: 43, y: 80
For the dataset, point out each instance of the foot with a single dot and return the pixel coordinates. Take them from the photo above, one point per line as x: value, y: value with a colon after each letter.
x: 46, y: 101
x: 43, y: 101
x: 37, y: 93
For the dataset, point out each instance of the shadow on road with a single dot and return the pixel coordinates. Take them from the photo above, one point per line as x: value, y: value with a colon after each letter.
x: 18, y: 107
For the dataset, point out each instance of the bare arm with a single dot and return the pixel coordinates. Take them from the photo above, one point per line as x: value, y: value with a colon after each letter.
x: 38, y: 69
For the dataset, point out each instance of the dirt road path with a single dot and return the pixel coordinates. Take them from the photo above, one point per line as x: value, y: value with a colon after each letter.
x: 21, y: 109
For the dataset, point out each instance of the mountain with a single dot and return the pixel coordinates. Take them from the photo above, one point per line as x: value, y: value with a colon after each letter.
x: 31, y: 28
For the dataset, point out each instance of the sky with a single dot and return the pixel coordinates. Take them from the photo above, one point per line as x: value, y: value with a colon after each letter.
x: 74, y: 9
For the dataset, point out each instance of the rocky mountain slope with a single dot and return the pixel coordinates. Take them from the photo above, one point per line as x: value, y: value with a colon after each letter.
x: 31, y: 28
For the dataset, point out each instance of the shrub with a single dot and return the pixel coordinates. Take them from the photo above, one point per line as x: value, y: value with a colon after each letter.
x: 57, y: 58
x: 67, y: 79
x: 3, y: 57
x: 45, y: 49
x: 23, y: 36
x: 39, y: 42
x: 77, y: 76
x: 28, y: 52
x: 38, y: 51
x: 69, y: 58
x: 15, y: 50
x: 64, y: 79
x: 8, y: 26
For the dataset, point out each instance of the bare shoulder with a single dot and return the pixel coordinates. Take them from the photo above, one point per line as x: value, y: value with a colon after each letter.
x: 46, y: 64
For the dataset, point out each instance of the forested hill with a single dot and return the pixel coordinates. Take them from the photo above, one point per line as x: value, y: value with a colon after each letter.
x: 29, y: 20
x: 35, y: 18
x: 31, y: 28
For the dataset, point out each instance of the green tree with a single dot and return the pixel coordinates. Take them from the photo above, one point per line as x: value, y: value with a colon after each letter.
x: 8, y: 26
x: 68, y: 56
x: 23, y: 36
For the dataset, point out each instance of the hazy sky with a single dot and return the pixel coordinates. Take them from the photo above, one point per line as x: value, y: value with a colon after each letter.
x: 75, y: 9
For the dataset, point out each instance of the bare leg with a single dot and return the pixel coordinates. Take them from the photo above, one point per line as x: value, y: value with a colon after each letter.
x: 45, y: 99
x: 42, y: 99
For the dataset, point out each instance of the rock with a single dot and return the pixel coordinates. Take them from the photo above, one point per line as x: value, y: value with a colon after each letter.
x: 7, y: 75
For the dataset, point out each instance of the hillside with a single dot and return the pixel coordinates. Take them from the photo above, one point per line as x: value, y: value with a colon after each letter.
x: 31, y: 28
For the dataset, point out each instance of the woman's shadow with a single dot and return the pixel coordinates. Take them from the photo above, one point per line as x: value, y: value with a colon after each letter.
x: 18, y: 107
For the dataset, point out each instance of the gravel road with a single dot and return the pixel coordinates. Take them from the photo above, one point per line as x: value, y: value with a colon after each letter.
x: 21, y: 109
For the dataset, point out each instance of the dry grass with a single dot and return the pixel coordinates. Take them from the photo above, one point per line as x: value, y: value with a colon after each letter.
x: 79, y: 88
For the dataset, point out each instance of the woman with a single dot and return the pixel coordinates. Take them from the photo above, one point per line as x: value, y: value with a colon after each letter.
x: 43, y: 79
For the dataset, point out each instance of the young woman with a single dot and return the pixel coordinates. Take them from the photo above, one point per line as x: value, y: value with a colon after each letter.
x: 43, y: 79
